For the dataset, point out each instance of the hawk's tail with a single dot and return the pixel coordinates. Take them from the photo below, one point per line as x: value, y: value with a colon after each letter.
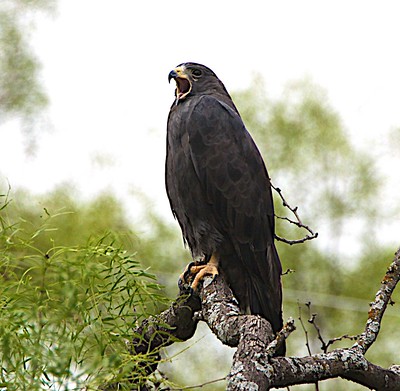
x: 265, y: 290
x: 255, y: 279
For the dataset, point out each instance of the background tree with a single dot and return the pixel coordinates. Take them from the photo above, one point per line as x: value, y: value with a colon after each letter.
x: 21, y: 92
x: 71, y: 291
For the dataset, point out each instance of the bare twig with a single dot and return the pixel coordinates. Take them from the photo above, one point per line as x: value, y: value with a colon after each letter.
x: 295, y: 241
x: 198, y: 385
x: 337, y: 339
x: 325, y: 345
x: 304, y: 328
x: 288, y: 271
x: 312, y: 321
x: 298, y: 221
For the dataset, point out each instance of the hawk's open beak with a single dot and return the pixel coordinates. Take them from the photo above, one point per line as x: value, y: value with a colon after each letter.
x: 172, y: 75
x: 183, y: 83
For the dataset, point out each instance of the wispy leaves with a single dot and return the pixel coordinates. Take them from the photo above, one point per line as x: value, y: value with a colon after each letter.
x: 67, y: 312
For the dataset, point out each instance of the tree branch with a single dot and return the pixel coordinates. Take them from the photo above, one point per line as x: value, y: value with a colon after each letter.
x: 298, y: 221
x: 253, y: 336
x: 378, y: 306
x: 177, y: 323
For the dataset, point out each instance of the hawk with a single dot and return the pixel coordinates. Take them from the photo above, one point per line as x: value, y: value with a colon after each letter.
x: 220, y: 193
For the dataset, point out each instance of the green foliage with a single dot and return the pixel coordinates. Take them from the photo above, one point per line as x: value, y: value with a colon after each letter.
x: 68, y: 310
x: 76, y: 220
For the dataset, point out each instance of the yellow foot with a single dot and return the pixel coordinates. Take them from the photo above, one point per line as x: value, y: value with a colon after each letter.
x: 196, y: 271
x: 201, y: 271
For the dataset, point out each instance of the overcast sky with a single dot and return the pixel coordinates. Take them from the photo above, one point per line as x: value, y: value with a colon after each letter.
x: 105, y: 68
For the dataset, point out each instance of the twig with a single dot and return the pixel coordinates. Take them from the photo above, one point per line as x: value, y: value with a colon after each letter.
x: 298, y: 221
x: 312, y: 321
x: 304, y: 328
x: 288, y: 271
x: 308, y: 305
x: 325, y: 345
x: 199, y: 385
x: 345, y: 336
x: 295, y: 241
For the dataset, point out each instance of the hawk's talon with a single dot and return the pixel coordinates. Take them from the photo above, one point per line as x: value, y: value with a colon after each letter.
x: 186, y: 274
x: 181, y: 284
x: 184, y: 277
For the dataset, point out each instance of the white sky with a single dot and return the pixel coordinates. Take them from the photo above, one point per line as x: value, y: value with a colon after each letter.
x: 105, y: 67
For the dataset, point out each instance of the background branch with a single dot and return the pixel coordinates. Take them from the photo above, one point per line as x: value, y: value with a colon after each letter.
x: 298, y: 221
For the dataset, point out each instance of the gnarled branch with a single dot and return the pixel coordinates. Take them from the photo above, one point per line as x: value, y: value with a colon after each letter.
x: 253, y: 364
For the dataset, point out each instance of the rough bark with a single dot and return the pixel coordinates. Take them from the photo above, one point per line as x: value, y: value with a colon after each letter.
x: 254, y: 367
x: 177, y: 323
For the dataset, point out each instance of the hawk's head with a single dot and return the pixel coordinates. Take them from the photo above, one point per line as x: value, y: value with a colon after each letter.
x: 192, y: 78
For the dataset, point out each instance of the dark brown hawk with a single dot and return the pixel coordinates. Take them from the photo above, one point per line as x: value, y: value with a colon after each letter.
x: 220, y: 193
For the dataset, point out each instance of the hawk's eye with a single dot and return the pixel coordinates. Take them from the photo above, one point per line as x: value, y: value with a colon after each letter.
x: 196, y: 72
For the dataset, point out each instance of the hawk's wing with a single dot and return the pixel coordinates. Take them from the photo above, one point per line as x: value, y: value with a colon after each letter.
x: 236, y: 184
